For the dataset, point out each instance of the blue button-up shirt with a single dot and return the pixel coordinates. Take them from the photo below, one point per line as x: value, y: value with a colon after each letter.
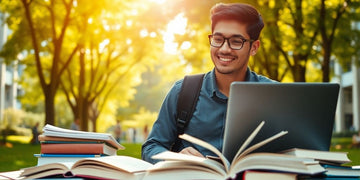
x: 207, y: 122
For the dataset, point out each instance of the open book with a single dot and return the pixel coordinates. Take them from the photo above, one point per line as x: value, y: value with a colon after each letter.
x: 187, y: 166
x: 109, y: 167
x: 53, y: 133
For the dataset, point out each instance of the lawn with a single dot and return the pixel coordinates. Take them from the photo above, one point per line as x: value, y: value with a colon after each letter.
x: 19, y: 154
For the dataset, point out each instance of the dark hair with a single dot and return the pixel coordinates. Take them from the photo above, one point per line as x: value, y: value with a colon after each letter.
x: 243, y: 13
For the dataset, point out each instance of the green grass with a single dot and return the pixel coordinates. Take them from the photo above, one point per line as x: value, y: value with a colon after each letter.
x: 344, y: 144
x: 20, y: 154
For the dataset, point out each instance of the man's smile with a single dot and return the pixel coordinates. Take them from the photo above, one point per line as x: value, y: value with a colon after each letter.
x: 226, y: 58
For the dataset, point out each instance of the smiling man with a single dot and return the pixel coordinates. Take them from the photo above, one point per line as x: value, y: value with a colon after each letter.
x: 235, y: 32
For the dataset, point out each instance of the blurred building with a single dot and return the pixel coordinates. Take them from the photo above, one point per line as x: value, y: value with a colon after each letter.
x: 9, y: 74
x: 348, y: 108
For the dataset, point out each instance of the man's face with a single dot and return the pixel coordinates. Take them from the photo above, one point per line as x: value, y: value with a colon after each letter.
x: 225, y: 59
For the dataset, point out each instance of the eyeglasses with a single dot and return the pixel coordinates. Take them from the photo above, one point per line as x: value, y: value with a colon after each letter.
x: 235, y: 42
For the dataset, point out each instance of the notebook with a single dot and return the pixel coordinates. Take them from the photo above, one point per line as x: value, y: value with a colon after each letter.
x: 305, y: 110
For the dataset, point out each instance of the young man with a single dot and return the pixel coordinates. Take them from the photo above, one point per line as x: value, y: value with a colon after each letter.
x: 235, y: 31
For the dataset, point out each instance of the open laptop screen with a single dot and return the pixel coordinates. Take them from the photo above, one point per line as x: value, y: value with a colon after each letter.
x: 305, y: 110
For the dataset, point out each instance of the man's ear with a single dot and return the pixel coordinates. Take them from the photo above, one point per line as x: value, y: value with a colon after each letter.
x: 254, y: 47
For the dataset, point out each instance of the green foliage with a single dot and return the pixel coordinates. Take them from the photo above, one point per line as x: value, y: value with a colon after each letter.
x: 19, y: 122
x: 12, y: 117
x: 105, y: 42
x: 292, y: 48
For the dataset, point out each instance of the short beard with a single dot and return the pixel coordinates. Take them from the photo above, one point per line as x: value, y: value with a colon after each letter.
x: 228, y: 72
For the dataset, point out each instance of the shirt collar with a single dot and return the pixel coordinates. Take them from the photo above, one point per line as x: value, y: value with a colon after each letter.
x: 248, y: 76
x: 216, y: 94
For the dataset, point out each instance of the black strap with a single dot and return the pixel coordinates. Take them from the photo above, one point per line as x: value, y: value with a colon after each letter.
x: 188, y: 97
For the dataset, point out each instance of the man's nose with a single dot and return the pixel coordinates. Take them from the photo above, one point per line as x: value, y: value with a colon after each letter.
x: 225, y: 47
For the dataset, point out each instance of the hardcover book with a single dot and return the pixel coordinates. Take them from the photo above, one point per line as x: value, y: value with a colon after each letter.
x: 58, y: 147
x: 54, y: 158
x: 342, y: 171
x: 258, y: 175
x: 324, y: 157
x: 60, y: 134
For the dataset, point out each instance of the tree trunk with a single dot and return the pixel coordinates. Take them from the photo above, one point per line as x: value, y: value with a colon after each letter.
x: 49, y: 106
x: 298, y: 69
x: 4, y: 135
x: 93, y: 114
x: 299, y: 74
x: 81, y: 100
x: 85, y: 114
x: 326, y: 65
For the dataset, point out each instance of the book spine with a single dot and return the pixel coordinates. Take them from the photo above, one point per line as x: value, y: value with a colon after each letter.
x: 72, y: 149
x: 68, y: 155
x: 72, y: 142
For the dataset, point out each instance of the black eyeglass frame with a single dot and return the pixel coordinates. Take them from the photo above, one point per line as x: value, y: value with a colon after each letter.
x: 210, y: 36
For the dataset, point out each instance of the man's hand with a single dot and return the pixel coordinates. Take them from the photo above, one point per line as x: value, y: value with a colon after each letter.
x: 191, y: 151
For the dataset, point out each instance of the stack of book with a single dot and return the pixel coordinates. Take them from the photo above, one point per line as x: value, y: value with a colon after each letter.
x: 64, y: 145
x: 334, y: 164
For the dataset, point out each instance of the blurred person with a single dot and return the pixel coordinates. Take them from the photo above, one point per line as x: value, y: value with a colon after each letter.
x: 75, y: 124
x: 117, y: 131
x: 356, y: 140
x: 35, y: 134
x: 146, y: 131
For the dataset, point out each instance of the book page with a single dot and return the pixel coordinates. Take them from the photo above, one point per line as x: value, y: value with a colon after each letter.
x: 276, y: 162
x: 56, y: 131
x: 61, y: 166
x: 241, y: 152
x: 209, y: 147
x: 43, y: 138
x: 10, y: 174
x: 50, y: 130
x: 180, y: 170
x: 186, y: 161
x: 255, y: 146
x: 326, y: 156
x: 216, y: 151
x: 249, y: 139
x: 124, y: 163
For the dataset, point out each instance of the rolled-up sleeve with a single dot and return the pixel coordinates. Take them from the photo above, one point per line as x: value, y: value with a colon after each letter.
x: 164, y: 132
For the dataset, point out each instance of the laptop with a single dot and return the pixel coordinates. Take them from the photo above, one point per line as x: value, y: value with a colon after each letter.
x: 305, y: 110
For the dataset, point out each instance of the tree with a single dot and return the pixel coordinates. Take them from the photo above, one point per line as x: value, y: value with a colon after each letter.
x: 328, y: 25
x: 340, y: 36
x: 84, y: 27
x: 269, y: 60
x: 47, y: 23
x: 295, y: 31
x: 306, y: 27
x: 116, y: 46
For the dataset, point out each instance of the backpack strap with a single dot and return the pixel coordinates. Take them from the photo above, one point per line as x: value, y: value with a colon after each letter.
x: 187, y: 100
